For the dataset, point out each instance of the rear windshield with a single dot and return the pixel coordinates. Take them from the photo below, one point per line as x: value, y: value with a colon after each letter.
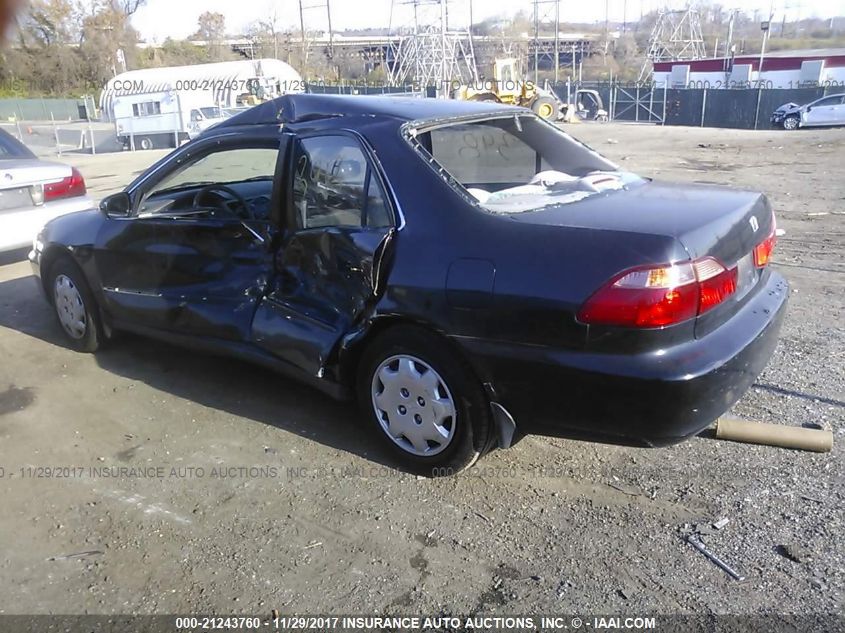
x: 10, y: 147
x: 519, y: 163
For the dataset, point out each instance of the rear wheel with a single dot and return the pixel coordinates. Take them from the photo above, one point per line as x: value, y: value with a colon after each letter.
x: 545, y: 108
x: 145, y: 142
x: 791, y: 122
x: 424, y: 402
x: 74, y: 305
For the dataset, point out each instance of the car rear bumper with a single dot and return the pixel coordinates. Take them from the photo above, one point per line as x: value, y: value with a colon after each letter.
x: 659, y: 397
x: 18, y: 227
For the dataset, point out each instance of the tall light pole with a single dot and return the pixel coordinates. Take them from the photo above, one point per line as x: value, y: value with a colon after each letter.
x: 764, y: 26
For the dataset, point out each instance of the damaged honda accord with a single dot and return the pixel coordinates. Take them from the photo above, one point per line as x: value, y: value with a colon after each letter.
x: 465, y: 270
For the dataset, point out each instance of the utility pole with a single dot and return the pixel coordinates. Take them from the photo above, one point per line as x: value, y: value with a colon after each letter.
x: 331, y: 36
x: 302, y: 35
x: 729, y: 41
x: 443, y: 88
x: 536, y: 41
x: 330, y: 50
x: 624, y: 16
x: 471, y: 45
x: 557, y: 38
x: 550, y: 15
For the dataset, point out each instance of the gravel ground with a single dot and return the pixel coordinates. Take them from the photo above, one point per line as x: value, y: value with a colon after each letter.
x: 326, y: 523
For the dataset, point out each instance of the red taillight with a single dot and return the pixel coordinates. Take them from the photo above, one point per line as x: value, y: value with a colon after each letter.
x: 661, y: 295
x: 763, y: 250
x: 73, y: 185
x: 715, y: 283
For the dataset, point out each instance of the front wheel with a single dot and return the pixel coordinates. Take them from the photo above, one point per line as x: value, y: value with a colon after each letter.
x: 424, y: 402
x: 791, y: 122
x: 545, y: 108
x: 74, y: 306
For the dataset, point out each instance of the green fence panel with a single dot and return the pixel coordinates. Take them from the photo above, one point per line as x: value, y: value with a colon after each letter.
x: 40, y: 109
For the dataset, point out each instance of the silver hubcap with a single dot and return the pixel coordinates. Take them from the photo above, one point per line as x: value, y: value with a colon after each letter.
x: 69, y: 306
x: 413, y: 405
x: 791, y: 123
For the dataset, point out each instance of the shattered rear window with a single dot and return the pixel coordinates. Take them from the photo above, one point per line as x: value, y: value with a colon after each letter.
x: 518, y: 163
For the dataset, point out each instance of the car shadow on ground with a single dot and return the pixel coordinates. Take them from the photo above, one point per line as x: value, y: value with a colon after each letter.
x: 220, y: 383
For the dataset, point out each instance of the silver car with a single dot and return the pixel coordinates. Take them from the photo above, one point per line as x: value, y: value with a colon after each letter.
x: 33, y: 191
x: 829, y: 110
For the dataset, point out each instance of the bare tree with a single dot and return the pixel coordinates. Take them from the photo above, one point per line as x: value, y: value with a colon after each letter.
x: 50, y: 22
x: 109, y: 43
x: 212, y: 30
x: 129, y: 7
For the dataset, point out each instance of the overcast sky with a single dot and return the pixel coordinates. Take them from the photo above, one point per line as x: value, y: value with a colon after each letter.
x: 178, y: 18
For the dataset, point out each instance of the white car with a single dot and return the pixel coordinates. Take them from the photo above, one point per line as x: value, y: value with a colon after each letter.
x: 827, y: 111
x: 33, y: 191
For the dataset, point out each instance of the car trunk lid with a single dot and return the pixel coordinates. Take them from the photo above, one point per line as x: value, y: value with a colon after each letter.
x: 22, y: 181
x: 20, y: 172
x: 707, y: 220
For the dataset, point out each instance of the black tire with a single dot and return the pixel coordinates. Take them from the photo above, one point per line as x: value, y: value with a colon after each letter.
x: 145, y: 142
x: 92, y: 334
x: 792, y: 122
x: 545, y: 108
x: 473, y: 432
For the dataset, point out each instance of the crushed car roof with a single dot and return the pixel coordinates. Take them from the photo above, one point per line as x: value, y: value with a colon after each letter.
x: 307, y: 107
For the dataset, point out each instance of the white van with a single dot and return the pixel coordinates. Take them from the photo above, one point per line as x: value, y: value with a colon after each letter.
x: 163, y: 119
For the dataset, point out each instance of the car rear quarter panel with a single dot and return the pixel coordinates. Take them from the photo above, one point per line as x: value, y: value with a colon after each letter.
x: 516, y: 281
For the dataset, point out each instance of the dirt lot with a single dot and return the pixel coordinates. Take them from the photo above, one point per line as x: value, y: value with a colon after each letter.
x: 324, y: 523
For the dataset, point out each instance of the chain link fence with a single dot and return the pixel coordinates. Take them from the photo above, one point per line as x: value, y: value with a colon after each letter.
x: 54, y: 138
x: 741, y: 108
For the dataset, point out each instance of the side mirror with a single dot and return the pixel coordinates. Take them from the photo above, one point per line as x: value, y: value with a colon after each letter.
x: 117, y: 205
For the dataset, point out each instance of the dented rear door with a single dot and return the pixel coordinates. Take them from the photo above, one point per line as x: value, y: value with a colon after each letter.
x: 333, y: 257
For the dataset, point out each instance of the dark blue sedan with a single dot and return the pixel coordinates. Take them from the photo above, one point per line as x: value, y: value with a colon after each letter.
x: 466, y: 270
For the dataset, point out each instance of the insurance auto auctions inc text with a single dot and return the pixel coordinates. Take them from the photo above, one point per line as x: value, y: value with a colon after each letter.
x: 474, y: 623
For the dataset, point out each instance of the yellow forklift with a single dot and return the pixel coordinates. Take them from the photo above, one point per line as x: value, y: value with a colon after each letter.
x: 509, y: 86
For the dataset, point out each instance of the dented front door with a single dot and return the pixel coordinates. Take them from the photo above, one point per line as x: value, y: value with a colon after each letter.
x: 333, y: 257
